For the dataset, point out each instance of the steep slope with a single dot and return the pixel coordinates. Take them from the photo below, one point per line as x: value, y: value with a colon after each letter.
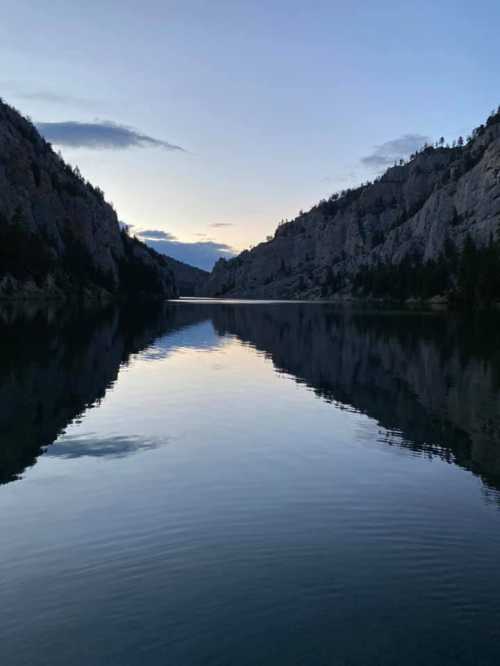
x: 404, y: 235
x: 188, y: 279
x: 58, y: 236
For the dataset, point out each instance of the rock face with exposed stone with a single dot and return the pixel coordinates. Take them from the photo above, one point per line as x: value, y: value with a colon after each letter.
x: 442, y: 194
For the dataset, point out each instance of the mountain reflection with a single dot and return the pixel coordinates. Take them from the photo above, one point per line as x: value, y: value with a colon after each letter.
x: 55, y: 363
x: 432, y: 381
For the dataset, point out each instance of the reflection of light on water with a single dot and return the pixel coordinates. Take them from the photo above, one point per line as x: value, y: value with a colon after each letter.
x: 93, y: 446
x: 196, y: 300
x: 199, y: 337
x: 163, y: 392
x: 226, y: 494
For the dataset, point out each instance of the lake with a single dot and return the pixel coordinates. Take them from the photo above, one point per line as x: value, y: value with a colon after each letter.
x: 219, y: 484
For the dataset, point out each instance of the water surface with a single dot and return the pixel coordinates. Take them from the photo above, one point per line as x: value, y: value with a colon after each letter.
x: 249, y: 483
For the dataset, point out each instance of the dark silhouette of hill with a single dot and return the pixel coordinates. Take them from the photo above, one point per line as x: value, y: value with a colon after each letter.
x: 59, y: 238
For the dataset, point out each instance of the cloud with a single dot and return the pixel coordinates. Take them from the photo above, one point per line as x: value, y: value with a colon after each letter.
x: 218, y: 225
x: 55, y: 98
x: 22, y: 91
x: 99, y: 135
x: 387, y: 153
x: 156, y: 234
x: 202, y: 254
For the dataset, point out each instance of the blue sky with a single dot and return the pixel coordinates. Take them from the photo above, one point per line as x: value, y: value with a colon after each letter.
x: 212, y: 121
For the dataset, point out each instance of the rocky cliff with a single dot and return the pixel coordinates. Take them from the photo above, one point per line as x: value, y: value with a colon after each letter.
x: 410, y: 228
x: 58, y: 236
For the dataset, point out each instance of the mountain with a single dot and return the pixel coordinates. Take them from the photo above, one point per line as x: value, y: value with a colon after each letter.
x: 426, y: 228
x: 58, y: 236
x: 188, y: 279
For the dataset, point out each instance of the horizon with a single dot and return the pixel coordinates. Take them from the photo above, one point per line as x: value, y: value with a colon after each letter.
x: 211, y: 151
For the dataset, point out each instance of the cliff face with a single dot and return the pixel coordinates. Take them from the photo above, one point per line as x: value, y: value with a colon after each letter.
x: 58, y: 236
x: 188, y: 279
x: 414, y: 213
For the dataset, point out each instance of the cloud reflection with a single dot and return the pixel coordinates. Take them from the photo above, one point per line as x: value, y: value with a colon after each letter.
x: 72, y: 447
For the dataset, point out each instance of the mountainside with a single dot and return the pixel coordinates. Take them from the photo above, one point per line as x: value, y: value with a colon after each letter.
x: 58, y: 236
x: 188, y: 279
x: 425, y: 228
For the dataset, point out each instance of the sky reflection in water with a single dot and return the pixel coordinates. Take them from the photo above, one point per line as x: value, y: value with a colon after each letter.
x: 271, y: 484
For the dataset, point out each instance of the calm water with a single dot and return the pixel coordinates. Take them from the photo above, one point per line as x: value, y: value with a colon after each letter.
x: 249, y: 484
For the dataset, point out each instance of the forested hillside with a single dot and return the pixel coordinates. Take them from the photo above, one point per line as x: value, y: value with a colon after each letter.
x: 59, y: 238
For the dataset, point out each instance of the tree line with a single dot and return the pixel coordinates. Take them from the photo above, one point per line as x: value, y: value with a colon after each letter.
x: 469, y: 277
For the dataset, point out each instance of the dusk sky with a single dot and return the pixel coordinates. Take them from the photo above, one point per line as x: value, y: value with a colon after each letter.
x: 212, y: 121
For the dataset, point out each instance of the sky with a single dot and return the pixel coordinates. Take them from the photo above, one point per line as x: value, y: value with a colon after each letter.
x: 209, y: 122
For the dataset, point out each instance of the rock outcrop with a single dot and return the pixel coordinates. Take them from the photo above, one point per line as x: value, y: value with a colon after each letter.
x: 418, y: 215
x: 58, y: 236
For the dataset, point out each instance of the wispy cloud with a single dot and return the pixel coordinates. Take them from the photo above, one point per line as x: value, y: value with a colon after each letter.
x: 202, y: 254
x: 55, y: 98
x: 219, y: 225
x: 100, y: 135
x: 387, y: 153
x: 29, y: 92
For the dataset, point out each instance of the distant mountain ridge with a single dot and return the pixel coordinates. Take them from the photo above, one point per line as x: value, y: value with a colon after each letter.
x: 426, y: 228
x: 189, y: 279
x: 59, y: 238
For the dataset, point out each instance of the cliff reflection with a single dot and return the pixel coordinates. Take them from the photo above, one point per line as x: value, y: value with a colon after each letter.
x: 432, y: 382
x: 54, y: 364
x: 431, y: 379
